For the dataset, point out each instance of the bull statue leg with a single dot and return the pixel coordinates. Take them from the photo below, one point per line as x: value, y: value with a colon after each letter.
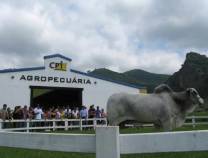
x: 115, y: 121
x: 158, y: 125
x: 167, y: 125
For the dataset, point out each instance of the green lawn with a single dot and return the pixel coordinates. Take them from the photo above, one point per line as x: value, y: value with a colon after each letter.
x: 199, y: 113
x: 6, y: 152
x: 203, y: 154
x: 27, y: 153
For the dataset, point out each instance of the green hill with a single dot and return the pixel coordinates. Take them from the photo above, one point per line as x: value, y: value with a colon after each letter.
x: 136, y: 77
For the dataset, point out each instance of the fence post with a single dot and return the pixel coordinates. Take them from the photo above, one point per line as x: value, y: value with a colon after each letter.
x: 80, y: 124
x: 193, y: 121
x: 28, y: 125
x: 107, y: 142
x: 106, y: 121
x: 66, y: 125
x: 94, y: 123
x: 54, y: 124
x: 0, y: 124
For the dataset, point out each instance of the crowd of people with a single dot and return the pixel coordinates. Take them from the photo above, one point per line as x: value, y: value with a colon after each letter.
x: 52, y: 113
x: 38, y: 113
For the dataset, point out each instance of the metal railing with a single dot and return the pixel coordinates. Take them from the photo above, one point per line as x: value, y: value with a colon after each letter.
x: 51, y: 124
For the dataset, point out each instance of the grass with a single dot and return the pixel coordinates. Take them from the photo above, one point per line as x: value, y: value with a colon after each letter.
x: 199, y: 113
x: 6, y: 152
x: 201, y: 154
x: 153, y: 130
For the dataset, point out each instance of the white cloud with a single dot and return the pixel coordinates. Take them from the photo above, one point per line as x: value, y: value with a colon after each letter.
x: 160, y: 61
x: 119, y: 34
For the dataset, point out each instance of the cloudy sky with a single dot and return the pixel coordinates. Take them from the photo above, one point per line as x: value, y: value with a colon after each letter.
x: 153, y: 35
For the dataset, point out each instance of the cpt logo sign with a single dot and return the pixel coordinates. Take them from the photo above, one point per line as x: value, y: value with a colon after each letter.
x: 58, y: 66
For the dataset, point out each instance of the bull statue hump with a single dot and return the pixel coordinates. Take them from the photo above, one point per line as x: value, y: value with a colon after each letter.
x: 164, y: 108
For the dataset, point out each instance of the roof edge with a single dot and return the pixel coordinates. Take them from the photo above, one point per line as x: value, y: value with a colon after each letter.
x: 57, y: 55
x: 22, y: 69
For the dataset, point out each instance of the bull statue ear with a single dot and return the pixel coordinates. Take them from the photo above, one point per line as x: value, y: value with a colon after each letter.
x: 163, y: 88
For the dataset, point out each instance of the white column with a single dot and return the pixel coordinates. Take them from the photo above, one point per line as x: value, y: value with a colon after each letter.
x: 107, y: 142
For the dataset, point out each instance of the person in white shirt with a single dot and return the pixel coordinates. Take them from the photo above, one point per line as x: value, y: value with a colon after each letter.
x: 75, y: 113
x: 68, y: 112
x: 58, y: 114
x: 38, y: 113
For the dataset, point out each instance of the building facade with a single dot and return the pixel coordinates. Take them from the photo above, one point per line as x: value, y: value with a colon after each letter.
x: 56, y: 84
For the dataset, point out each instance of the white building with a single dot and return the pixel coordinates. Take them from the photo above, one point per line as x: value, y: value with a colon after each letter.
x: 56, y: 84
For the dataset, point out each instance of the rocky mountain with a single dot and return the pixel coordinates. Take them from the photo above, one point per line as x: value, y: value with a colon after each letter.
x: 193, y: 73
x: 136, y: 77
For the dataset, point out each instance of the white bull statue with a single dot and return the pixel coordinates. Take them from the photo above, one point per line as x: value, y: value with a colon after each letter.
x: 164, y: 108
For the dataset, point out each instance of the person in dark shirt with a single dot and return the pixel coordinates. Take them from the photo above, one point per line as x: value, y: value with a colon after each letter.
x: 18, y: 115
x: 4, y: 115
x: 91, y: 112
x: 98, y: 114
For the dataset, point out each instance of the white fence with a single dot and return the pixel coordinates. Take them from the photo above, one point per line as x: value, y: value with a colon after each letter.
x: 194, y: 120
x: 49, y: 141
x: 190, y: 121
x: 53, y: 124
x: 107, y: 142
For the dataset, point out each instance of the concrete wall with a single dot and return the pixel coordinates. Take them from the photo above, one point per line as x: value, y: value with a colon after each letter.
x: 108, y: 143
x: 164, y: 142
x: 51, y: 142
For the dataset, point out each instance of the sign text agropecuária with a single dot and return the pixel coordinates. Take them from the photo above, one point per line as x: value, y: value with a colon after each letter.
x: 55, y: 79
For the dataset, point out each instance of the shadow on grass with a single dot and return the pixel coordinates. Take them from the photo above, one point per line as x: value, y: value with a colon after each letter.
x: 6, y: 152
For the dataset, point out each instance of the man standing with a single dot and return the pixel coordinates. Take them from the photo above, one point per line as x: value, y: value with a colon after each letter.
x: 98, y: 114
x: 91, y: 114
x: 91, y: 111
x: 25, y: 114
x: 84, y: 115
x: 38, y: 114
x: 4, y: 115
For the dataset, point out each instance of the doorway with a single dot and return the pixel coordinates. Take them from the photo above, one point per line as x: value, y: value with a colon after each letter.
x: 48, y: 97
